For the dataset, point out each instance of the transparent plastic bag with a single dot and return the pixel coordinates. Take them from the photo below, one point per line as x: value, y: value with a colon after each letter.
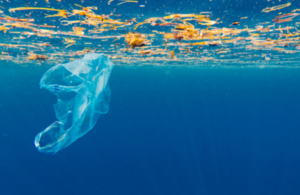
x: 83, y: 95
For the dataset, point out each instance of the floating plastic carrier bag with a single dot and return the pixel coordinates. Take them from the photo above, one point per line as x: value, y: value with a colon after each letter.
x: 83, y: 96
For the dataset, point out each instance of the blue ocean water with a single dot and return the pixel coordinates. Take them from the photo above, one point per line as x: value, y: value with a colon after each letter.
x: 214, y: 129
x: 181, y: 130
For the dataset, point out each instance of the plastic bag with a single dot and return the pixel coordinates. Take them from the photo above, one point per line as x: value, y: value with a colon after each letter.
x: 83, y: 95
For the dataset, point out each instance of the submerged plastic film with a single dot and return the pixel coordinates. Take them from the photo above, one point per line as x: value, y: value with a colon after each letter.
x: 83, y: 95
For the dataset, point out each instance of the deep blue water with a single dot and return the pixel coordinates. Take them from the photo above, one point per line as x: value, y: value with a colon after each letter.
x: 211, y: 131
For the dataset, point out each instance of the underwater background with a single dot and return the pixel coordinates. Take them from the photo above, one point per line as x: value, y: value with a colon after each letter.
x: 199, y: 130
x: 196, y: 130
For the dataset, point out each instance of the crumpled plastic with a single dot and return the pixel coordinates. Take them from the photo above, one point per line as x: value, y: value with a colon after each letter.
x: 83, y: 94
